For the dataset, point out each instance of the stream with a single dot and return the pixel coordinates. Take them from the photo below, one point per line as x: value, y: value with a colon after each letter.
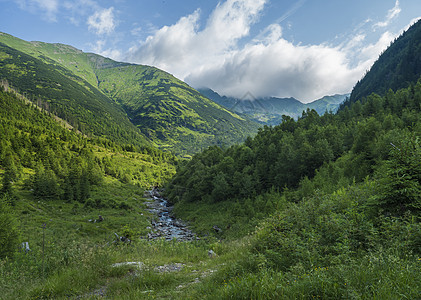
x: 166, y: 226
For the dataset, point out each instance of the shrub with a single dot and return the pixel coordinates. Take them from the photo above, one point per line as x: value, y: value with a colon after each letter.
x: 9, y: 233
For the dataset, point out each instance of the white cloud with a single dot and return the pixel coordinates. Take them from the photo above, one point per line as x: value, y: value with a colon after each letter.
x: 215, y: 56
x: 181, y: 48
x: 281, y: 69
x: 392, y: 14
x: 48, y: 7
x: 102, y: 21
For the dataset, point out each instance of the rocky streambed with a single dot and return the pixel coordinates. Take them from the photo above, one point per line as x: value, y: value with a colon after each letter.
x: 165, y: 226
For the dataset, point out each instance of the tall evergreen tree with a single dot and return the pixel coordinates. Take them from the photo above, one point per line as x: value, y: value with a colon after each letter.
x: 9, y: 176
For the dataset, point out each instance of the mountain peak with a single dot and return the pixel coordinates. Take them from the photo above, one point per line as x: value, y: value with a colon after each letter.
x: 96, y: 91
x: 269, y: 110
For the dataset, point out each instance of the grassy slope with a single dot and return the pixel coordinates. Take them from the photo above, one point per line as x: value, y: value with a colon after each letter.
x: 167, y: 110
x: 58, y: 54
x: 172, y: 114
x: 68, y: 96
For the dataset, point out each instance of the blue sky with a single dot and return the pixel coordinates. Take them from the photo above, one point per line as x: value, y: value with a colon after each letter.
x: 303, y: 48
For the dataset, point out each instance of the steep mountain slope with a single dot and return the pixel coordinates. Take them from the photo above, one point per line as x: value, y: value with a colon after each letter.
x: 68, y: 96
x: 397, y: 67
x: 62, y: 55
x: 170, y: 113
x: 327, y: 103
x: 167, y: 110
x: 269, y: 111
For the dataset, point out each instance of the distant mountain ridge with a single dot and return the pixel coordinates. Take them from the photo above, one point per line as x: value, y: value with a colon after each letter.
x: 153, y: 104
x: 269, y: 110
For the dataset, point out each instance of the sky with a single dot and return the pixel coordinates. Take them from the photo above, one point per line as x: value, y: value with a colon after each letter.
x: 304, y: 49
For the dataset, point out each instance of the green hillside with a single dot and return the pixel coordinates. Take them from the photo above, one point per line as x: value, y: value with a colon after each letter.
x: 171, y: 114
x: 398, y: 67
x: 61, y: 92
x: 167, y: 110
x: 62, y: 55
x: 323, y: 204
x: 319, y: 207
x: 33, y: 138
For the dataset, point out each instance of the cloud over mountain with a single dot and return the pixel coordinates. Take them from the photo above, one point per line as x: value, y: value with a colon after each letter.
x: 216, y: 55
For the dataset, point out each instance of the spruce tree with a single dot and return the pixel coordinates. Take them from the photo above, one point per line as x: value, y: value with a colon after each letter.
x: 9, y: 176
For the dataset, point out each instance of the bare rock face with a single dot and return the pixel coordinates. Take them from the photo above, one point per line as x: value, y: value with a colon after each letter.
x: 211, y: 254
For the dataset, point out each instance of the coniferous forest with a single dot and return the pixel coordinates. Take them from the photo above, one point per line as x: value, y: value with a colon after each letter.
x: 323, y: 206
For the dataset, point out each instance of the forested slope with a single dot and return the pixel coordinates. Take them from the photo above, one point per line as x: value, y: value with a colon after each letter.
x: 396, y: 68
x: 323, y: 207
x: 64, y: 94
x: 62, y: 164
x: 170, y: 113
x: 344, y: 147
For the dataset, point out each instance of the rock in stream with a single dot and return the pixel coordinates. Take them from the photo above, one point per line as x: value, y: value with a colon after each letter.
x: 166, y: 226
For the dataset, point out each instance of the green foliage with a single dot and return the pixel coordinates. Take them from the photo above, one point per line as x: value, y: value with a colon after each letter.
x: 66, y: 164
x: 10, y: 175
x: 58, y: 91
x: 123, y: 102
x: 400, y: 179
x: 9, y: 232
x: 398, y: 67
x: 45, y: 183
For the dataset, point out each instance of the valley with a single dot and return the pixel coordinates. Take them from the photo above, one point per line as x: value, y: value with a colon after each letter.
x: 269, y: 111
x: 120, y: 181
x: 152, y: 104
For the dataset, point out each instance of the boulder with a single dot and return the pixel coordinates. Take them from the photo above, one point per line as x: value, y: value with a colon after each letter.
x: 25, y: 247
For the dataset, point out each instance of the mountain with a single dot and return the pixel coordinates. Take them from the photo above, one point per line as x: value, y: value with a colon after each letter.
x: 324, y: 206
x: 269, y: 110
x: 328, y: 191
x: 327, y: 103
x: 398, y: 66
x: 71, y: 98
x: 152, y: 104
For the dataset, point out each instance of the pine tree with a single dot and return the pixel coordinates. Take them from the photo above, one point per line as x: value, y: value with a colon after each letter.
x: 400, y: 188
x: 45, y: 183
x: 10, y: 175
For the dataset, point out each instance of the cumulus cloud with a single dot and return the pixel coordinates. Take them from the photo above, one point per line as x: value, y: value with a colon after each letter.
x: 183, y: 48
x: 392, y: 14
x: 282, y: 69
x: 48, y: 7
x: 216, y: 56
x: 102, y: 21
